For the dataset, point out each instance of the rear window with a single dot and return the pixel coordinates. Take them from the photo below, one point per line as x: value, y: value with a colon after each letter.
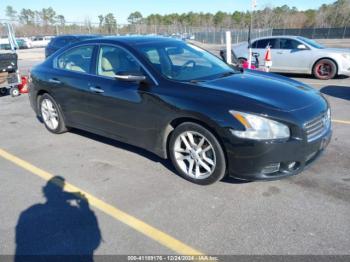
x: 77, y: 59
x: 264, y: 43
x: 61, y: 41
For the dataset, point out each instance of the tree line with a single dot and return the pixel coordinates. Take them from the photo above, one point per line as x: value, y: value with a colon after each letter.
x: 336, y: 14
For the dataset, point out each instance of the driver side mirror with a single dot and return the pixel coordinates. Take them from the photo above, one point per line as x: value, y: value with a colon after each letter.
x: 130, y: 77
x: 302, y: 47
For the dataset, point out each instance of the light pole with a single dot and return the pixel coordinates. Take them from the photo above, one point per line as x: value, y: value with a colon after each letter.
x: 253, y: 6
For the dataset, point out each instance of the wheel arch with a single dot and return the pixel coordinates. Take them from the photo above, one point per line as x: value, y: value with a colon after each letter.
x: 180, y: 120
x: 329, y: 58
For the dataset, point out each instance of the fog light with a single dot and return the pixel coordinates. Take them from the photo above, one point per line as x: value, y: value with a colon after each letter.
x: 292, y: 165
x: 272, y: 168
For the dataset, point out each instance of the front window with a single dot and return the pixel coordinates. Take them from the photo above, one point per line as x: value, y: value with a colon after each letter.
x: 114, y: 60
x: 183, y: 62
x: 312, y: 43
x: 289, y: 44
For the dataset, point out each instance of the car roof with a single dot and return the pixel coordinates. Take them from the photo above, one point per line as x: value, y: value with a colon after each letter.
x: 277, y: 36
x: 77, y: 36
x: 134, y: 40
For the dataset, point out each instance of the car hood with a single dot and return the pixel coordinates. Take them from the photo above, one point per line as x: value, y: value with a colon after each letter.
x: 268, y: 90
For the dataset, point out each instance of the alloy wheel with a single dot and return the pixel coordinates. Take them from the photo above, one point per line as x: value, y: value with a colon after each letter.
x: 324, y: 69
x: 49, y: 114
x: 195, y: 155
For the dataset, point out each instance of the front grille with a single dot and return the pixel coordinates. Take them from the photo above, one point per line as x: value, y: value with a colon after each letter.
x: 317, y: 127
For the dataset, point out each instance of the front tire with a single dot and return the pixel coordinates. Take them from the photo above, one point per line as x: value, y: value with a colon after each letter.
x: 14, y: 91
x: 324, y: 69
x: 51, y: 114
x: 197, y: 154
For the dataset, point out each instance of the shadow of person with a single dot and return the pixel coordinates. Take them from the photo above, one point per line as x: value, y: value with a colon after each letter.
x: 342, y: 92
x: 63, y: 226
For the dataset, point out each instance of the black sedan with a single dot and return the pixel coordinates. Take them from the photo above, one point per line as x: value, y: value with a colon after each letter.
x: 60, y: 41
x: 183, y: 103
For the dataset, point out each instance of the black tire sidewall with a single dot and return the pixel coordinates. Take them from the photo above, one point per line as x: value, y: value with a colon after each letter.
x: 328, y: 61
x: 3, y: 91
x: 61, y: 125
x: 220, y: 169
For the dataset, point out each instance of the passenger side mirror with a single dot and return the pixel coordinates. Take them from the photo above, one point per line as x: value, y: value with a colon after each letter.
x: 301, y: 47
x: 130, y: 77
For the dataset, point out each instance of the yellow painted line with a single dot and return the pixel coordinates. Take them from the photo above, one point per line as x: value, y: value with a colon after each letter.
x: 341, y: 121
x: 138, y: 225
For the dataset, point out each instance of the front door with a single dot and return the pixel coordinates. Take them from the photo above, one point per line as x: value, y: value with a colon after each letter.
x: 118, y: 107
x: 290, y: 59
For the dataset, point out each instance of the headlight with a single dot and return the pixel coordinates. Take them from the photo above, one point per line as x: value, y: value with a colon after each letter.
x: 328, y: 118
x: 259, y: 128
x: 346, y: 56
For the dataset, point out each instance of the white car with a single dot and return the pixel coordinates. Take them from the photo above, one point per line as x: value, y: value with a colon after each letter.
x: 296, y: 54
x: 41, y: 41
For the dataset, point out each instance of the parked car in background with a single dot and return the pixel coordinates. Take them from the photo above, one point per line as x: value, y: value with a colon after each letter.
x: 41, y: 41
x: 24, y: 43
x: 296, y: 54
x: 183, y: 103
x: 63, y: 40
x: 5, y: 44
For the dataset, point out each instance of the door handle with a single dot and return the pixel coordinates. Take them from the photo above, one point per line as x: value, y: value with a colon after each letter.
x: 55, y: 81
x: 280, y: 53
x: 96, y: 90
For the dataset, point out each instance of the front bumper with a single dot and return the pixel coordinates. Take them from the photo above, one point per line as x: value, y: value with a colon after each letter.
x: 247, y: 158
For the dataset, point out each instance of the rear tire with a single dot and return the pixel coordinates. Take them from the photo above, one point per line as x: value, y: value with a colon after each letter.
x: 324, y: 69
x: 51, y: 115
x: 197, y: 154
x: 3, y: 91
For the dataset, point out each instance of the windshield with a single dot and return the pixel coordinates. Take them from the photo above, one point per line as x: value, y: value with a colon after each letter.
x: 180, y: 61
x: 313, y: 43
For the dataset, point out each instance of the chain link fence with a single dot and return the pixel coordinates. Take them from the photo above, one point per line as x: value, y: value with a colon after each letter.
x: 238, y: 35
x: 209, y: 35
x: 316, y: 33
x: 87, y: 27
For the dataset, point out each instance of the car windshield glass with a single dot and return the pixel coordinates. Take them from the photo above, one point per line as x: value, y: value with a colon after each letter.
x: 180, y: 61
x: 311, y: 42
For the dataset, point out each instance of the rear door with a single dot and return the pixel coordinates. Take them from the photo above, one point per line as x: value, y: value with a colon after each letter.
x: 260, y: 46
x: 70, y: 82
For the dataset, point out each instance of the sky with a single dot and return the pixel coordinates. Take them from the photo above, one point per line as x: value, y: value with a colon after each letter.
x: 79, y: 10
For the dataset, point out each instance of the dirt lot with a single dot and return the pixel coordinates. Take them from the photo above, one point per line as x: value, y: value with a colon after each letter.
x: 306, y: 214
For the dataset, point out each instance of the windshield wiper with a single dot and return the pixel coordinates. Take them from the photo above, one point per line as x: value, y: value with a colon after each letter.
x: 228, y: 73
x: 195, y: 81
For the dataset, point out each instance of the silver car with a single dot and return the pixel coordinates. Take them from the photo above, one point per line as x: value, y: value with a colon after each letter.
x: 296, y: 54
